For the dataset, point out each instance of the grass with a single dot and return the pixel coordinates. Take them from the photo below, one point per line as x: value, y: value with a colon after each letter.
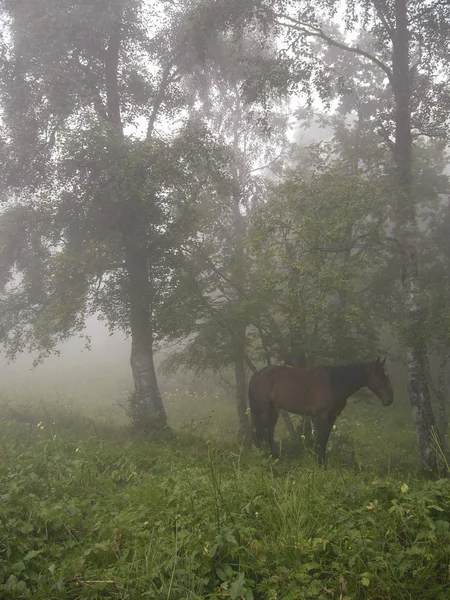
x: 87, y: 512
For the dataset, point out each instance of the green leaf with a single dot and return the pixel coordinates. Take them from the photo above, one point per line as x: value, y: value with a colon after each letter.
x: 237, y: 588
x: 32, y: 554
x: 26, y: 528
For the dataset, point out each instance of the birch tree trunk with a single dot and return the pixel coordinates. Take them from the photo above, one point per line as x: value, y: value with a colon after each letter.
x: 150, y: 409
x: 407, y: 227
x: 241, y: 398
x: 150, y: 413
x: 443, y: 399
x: 238, y: 272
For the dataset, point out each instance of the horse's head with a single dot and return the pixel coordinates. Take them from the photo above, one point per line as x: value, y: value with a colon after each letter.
x: 378, y: 382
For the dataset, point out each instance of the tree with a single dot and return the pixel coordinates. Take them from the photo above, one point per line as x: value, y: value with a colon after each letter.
x: 306, y: 259
x: 435, y: 275
x: 98, y: 208
x: 215, y: 282
x: 409, y: 43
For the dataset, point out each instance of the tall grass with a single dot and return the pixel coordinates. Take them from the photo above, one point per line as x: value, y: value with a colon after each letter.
x: 87, y: 512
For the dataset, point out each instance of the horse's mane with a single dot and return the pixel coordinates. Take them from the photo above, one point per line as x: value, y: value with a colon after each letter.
x: 342, y: 373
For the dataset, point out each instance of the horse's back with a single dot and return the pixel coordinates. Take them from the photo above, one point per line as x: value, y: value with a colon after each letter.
x: 264, y: 381
x: 301, y: 391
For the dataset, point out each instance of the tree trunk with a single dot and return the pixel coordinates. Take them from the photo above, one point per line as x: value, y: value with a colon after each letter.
x: 240, y: 328
x: 443, y: 400
x: 342, y: 343
x: 241, y: 398
x: 150, y: 413
x: 415, y: 345
x: 238, y: 273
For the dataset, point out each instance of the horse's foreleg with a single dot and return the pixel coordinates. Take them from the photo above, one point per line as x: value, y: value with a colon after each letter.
x: 323, y: 430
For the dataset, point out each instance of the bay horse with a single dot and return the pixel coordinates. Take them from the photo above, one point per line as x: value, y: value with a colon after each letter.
x: 320, y: 392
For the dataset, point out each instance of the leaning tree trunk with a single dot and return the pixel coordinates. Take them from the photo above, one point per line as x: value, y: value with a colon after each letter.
x: 415, y: 343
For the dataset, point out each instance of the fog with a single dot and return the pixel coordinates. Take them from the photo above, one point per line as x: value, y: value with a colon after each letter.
x: 89, y: 378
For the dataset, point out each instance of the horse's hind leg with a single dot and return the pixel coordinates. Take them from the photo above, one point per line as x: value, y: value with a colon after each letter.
x: 259, y: 434
x: 260, y: 420
x: 323, y: 429
x: 273, y: 418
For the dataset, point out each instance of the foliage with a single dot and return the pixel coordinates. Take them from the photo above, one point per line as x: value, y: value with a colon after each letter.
x: 108, y: 202
x: 210, y: 309
x: 307, y: 34
x: 87, y: 513
x: 79, y: 253
x: 318, y: 246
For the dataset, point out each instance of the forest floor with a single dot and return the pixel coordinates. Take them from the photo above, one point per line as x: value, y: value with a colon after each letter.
x: 88, y: 512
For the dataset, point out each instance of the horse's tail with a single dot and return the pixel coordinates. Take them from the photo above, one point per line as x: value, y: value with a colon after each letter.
x: 256, y: 416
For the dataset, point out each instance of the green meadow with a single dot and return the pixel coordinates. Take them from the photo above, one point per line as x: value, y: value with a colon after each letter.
x: 89, y: 511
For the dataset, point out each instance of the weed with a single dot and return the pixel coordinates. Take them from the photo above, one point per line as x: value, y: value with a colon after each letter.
x: 87, y: 513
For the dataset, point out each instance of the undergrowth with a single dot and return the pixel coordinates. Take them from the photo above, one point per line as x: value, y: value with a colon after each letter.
x: 88, y: 513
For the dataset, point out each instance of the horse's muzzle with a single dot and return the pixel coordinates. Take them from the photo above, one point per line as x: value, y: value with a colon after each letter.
x: 387, y: 401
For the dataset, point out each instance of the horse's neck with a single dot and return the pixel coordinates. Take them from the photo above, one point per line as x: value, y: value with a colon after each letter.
x: 353, y: 384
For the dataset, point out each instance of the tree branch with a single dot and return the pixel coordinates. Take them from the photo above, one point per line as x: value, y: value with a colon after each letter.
x: 432, y: 7
x: 249, y: 363
x: 313, y: 31
x: 430, y: 133
x: 91, y: 83
x: 215, y: 314
x: 394, y: 240
x: 269, y: 164
x: 111, y: 77
x: 380, y: 7
x: 167, y: 78
x: 385, y: 135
